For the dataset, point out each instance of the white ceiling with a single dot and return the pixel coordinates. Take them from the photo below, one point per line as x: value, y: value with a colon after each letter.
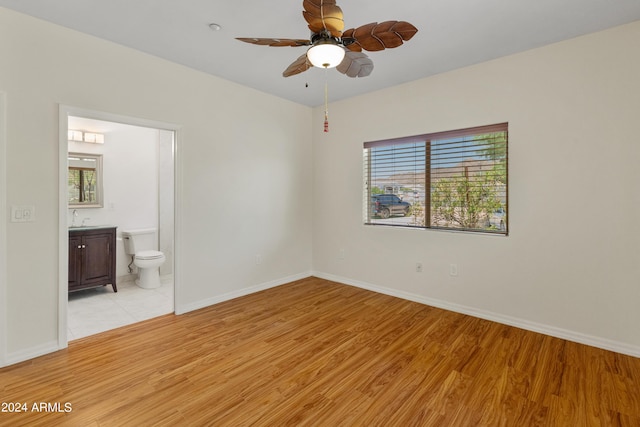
x: 452, y: 34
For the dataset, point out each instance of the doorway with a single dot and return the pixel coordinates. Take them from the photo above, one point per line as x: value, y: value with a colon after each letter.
x: 139, y: 156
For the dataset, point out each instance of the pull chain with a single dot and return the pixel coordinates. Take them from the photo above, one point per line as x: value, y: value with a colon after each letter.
x: 326, y: 101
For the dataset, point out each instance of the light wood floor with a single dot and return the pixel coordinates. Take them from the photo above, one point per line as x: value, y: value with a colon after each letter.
x: 319, y: 353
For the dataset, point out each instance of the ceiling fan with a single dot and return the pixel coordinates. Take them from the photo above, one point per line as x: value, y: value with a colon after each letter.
x: 330, y: 46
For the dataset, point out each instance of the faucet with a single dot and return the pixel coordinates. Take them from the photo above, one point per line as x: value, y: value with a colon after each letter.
x: 74, y: 216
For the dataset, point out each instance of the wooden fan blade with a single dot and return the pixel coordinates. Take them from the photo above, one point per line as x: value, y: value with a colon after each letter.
x: 275, y: 42
x: 379, y: 36
x: 355, y: 64
x: 404, y: 30
x: 323, y: 15
x: 351, y: 45
x: 298, y: 66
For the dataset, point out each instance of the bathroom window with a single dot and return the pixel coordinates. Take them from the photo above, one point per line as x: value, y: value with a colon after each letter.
x: 84, y: 180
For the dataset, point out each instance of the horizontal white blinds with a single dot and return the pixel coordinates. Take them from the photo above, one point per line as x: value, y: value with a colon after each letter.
x: 501, y: 127
x: 397, y: 169
x: 454, y: 180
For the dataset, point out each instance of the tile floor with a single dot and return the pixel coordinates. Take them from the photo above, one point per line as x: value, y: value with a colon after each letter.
x: 97, y: 310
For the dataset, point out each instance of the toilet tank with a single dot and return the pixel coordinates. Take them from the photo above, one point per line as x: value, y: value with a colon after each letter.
x: 144, y: 239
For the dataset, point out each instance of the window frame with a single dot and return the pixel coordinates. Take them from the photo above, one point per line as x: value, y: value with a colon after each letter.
x: 427, y: 140
x: 74, y: 162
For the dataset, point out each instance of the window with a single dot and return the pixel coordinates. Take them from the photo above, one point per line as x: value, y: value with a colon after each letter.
x: 454, y: 180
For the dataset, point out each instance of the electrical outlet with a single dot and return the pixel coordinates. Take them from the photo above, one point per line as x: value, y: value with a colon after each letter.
x: 453, y: 270
x: 258, y: 259
x: 341, y: 254
x: 418, y: 267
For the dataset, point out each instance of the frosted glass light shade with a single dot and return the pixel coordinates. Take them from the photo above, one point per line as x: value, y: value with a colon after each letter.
x: 325, y: 55
x: 81, y: 136
x: 96, y: 138
x: 75, y: 135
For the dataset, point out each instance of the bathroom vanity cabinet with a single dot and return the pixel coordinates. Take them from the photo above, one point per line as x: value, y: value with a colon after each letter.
x: 92, y: 257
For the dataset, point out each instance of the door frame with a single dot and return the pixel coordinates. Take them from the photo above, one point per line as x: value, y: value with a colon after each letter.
x: 63, y: 249
x: 3, y: 229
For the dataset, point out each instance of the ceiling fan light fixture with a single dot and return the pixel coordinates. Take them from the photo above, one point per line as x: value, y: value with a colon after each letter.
x: 326, y: 54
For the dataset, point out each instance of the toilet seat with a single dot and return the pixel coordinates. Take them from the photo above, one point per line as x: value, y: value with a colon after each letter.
x: 149, y: 255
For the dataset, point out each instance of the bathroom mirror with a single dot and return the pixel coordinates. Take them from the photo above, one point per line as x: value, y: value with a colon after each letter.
x: 85, y: 180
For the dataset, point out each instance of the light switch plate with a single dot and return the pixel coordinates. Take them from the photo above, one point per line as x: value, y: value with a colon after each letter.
x: 23, y: 213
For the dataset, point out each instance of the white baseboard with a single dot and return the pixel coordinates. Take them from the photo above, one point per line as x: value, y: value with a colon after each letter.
x: 125, y: 278
x: 599, y: 342
x: 31, y: 353
x: 185, y: 308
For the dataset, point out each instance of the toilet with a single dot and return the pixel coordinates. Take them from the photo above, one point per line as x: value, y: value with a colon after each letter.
x: 142, y: 245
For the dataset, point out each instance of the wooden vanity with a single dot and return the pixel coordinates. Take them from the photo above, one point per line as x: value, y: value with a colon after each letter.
x: 92, y: 257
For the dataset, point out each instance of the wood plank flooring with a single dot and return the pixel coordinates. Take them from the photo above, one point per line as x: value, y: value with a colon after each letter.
x: 319, y: 353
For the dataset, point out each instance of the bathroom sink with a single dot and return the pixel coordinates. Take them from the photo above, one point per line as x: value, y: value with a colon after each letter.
x: 87, y: 227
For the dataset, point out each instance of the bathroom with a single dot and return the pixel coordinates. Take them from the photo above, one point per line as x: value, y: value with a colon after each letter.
x: 134, y: 191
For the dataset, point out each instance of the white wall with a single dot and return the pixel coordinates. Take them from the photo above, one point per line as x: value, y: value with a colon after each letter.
x: 571, y: 264
x: 244, y: 160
